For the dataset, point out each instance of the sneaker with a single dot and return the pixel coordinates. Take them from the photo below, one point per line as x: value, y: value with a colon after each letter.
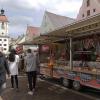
x: 30, y: 93
x: 3, y: 86
x: 12, y: 88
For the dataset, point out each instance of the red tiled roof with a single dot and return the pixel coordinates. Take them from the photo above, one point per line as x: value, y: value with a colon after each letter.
x: 32, y: 30
x: 3, y: 18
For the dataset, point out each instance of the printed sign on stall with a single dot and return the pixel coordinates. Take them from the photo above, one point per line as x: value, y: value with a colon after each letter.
x: 45, y: 48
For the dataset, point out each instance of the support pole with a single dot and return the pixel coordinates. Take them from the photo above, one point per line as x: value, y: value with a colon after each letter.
x: 71, y: 62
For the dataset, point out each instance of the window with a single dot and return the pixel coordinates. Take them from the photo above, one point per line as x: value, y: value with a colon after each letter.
x: 0, y: 44
x: 0, y: 39
x: 2, y: 25
x: 88, y: 3
x: 94, y: 10
x: 82, y: 15
x: 5, y: 39
x: 5, y: 49
x: 88, y: 13
x: 5, y: 44
x: 2, y: 33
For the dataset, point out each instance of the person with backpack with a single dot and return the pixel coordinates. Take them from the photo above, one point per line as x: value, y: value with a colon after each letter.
x: 13, y: 67
x: 3, y: 69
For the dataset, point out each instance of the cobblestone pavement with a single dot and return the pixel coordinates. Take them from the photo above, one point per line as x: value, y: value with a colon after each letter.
x: 44, y: 91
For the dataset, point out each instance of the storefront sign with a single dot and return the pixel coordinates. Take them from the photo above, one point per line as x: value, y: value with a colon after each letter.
x: 19, y: 49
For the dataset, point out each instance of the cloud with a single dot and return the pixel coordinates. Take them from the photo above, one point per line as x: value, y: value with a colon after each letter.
x: 14, y: 30
x: 21, y: 20
x: 70, y: 6
x: 23, y: 12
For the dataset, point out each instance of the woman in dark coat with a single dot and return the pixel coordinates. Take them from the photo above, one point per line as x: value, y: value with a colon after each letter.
x: 3, y: 69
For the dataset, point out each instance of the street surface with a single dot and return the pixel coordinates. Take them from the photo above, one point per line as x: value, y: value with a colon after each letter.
x: 44, y: 91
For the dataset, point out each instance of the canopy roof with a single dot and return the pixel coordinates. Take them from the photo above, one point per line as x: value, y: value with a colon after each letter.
x: 85, y: 27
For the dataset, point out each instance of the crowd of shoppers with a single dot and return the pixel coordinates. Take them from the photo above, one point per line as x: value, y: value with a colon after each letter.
x: 10, y: 65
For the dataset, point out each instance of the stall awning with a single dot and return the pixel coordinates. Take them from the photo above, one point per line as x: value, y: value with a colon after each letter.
x: 83, y: 27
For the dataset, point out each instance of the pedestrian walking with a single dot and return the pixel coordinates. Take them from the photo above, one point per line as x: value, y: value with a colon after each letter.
x: 3, y: 69
x: 31, y: 63
x: 13, y: 67
x: 21, y: 63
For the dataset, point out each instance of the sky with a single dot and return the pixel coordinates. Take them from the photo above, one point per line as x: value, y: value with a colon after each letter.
x: 21, y: 13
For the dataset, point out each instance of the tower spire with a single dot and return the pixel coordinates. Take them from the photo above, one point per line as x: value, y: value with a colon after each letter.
x: 2, y: 11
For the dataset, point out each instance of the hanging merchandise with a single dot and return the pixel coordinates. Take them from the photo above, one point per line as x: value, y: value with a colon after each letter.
x: 45, y: 48
x: 88, y: 43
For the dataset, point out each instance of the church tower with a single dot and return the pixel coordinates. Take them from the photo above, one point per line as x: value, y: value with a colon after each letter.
x: 4, y: 40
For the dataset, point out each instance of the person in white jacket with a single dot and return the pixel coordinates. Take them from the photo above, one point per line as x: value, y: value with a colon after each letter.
x: 13, y: 67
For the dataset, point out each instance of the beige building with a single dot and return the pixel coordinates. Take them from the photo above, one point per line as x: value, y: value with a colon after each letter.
x: 89, y: 8
x: 26, y: 41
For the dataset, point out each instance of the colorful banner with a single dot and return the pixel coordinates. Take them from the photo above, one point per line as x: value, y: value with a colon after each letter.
x: 19, y: 49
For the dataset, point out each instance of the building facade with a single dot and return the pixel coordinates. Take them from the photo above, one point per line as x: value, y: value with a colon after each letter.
x: 31, y: 33
x: 88, y: 8
x: 4, y: 39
